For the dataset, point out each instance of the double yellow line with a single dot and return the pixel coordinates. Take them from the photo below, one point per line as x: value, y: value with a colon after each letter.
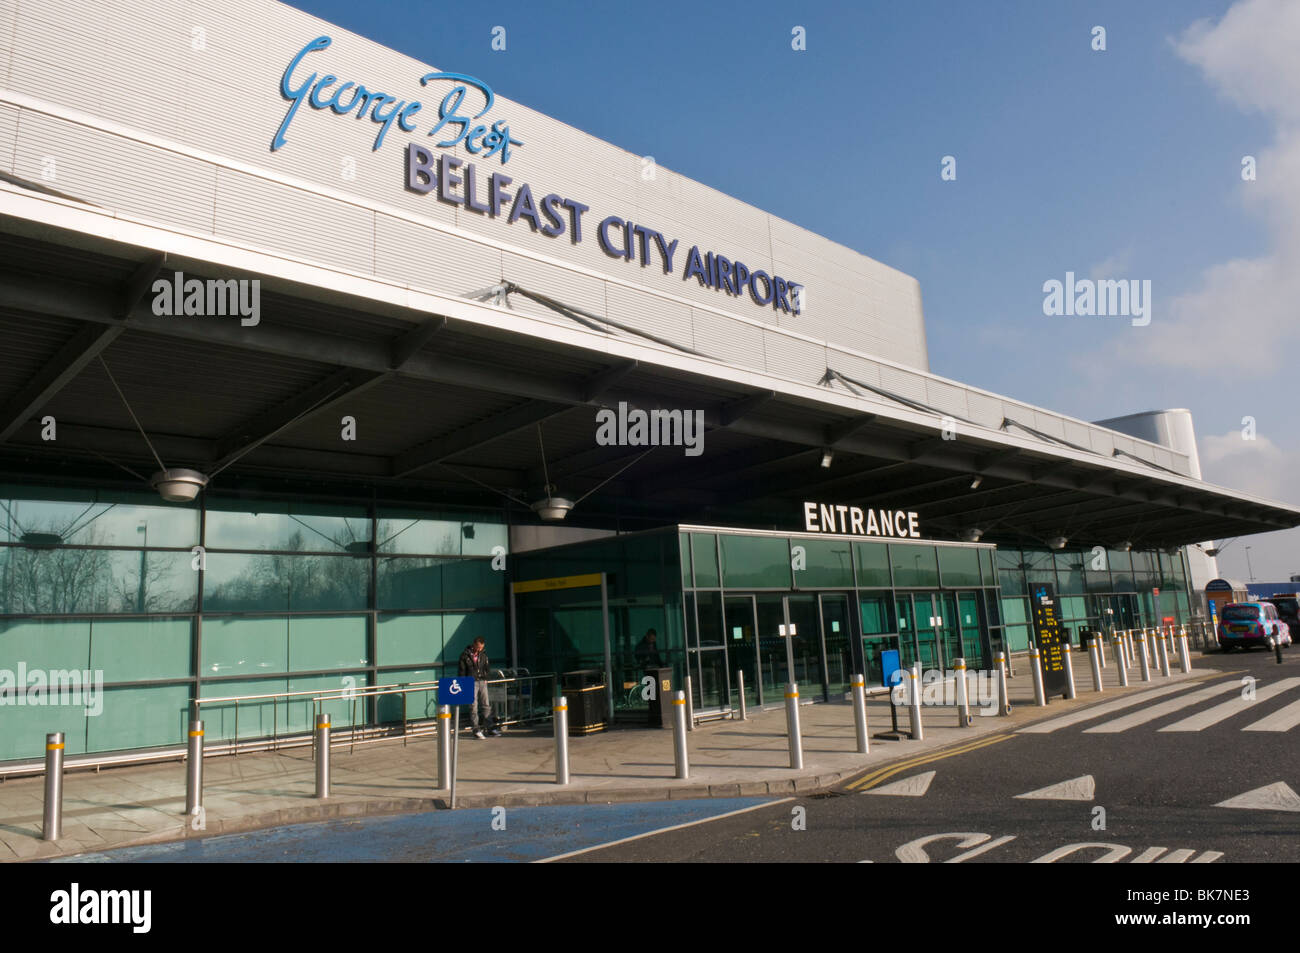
x: 883, y: 774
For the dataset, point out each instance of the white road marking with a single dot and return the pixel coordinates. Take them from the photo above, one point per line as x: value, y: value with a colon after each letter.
x: 1212, y: 716
x: 663, y: 830
x: 1164, y: 708
x: 1076, y: 789
x: 915, y: 786
x: 1044, y: 727
x: 1271, y: 797
x: 1284, y: 719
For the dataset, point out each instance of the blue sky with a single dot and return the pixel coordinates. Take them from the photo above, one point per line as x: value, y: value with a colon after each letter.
x: 1123, y: 164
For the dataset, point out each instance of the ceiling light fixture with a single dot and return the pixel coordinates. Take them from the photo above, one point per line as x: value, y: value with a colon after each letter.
x: 828, y: 455
x: 975, y: 483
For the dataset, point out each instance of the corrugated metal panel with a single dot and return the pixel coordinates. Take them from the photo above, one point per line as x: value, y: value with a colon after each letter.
x: 946, y: 397
x: 1103, y: 441
x: 1048, y: 423
x: 8, y: 16
x: 293, y: 221
x: 903, y: 383
x: 568, y: 287
x: 851, y: 365
x: 730, y: 341
x: 793, y: 359
x: 8, y: 136
x: 429, y: 259
x: 984, y: 409
x: 114, y: 172
x: 1076, y: 432
x: 667, y: 319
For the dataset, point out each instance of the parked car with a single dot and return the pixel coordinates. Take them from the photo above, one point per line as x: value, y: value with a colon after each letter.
x: 1243, y: 624
x: 1288, y: 609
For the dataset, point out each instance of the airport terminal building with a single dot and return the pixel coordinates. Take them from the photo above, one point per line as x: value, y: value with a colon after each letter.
x: 321, y: 361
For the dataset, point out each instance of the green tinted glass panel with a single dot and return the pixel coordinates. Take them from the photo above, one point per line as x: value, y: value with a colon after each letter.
x: 704, y: 551
x: 75, y: 581
x: 340, y: 710
x: 420, y: 705
x: 990, y: 572
x: 1013, y: 582
x: 473, y: 534
x: 409, y: 582
x: 293, y: 527
x: 44, y: 644
x: 25, y: 727
x: 829, y: 564
x: 409, y: 639
x: 914, y: 565
x: 1074, y: 608
x: 1017, y: 638
x: 461, y: 628
x: 755, y: 562
x: 248, y: 583
x: 959, y: 566
x: 684, y: 551
x: 140, y: 718
x: 873, y: 564
x: 1069, y: 572
x: 472, y: 583
x: 95, y: 519
x: 133, y: 650
x: 1014, y: 611
x: 245, y: 646
x: 321, y: 642
x: 877, y: 614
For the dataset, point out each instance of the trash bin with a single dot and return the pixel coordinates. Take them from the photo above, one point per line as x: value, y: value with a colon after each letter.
x: 585, y: 690
x: 1086, y: 635
x: 661, y: 714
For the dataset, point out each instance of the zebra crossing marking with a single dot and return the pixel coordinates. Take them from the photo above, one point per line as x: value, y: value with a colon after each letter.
x: 1212, y: 716
x: 1126, y: 722
x: 1284, y: 719
x: 1086, y: 714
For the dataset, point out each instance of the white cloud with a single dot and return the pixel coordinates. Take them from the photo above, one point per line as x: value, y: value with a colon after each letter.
x: 1250, y: 58
x: 1259, y: 466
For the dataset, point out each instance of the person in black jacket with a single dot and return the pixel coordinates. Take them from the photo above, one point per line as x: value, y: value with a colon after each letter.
x: 474, y: 664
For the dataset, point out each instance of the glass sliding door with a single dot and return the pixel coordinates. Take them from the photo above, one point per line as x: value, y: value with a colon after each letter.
x: 837, y: 641
x: 742, y: 643
x: 968, y: 623
x: 805, y: 645
x: 708, y: 659
x: 773, y: 660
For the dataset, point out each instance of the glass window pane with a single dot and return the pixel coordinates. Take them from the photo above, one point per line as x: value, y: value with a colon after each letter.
x: 472, y: 583
x: 95, y: 519
x: 959, y: 566
x: 74, y: 581
x: 914, y: 565
x: 705, y: 554
x: 409, y: 639
x: 140, y: 718
x: 761, y: 562
x: 461, y: 628
x: 1069, y: 571
x: 1015, y: 611
x: 828, y: 564
x: 319, y: 642
x: 132, y: 650
x: 44, y: 644
x: 684, y: 548
x: 409, y: 582
x: 873, y: 564
x: 293, y: 527
x: 244, y: 646
x: 469, y: 534
x: 877, y: 614
x: 250, y: 583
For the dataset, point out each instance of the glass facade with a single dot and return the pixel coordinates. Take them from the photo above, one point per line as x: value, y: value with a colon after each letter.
x: 167, y: 602
x: 1097, y: 588
x: 719, y: 600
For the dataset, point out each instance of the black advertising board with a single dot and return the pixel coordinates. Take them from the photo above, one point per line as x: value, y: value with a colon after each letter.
x: 1049, y: 637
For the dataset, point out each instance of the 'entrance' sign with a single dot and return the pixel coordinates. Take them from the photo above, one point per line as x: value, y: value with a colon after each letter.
x: 856, y: 521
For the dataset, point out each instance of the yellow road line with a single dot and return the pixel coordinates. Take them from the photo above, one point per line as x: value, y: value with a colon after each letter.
x: 870, y: 780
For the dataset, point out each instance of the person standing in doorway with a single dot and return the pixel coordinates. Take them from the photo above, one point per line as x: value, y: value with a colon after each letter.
x: 474, y: 664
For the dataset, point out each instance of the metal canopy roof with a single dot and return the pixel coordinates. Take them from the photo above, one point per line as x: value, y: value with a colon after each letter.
x: 448, y: 408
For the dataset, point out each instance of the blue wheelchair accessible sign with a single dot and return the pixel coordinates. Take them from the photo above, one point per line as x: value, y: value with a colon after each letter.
x: 455, y: 691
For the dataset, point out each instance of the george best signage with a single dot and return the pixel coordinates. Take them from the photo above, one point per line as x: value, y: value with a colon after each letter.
x: 461, y: 119
x: 856, y: 521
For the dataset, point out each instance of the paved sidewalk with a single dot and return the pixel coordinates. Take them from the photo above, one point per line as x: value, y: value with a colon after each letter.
x: 144, y: 803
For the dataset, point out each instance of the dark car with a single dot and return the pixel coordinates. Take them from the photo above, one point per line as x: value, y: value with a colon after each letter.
x: 1288, y: 610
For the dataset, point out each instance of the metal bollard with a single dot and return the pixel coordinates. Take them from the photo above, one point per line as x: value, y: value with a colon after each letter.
x: 740, y: 682
x: 1119, y: 661
x: 914, y: 701
x: 444, y: 747
x: 1098, y: 637
x: 690, y: 705
x: 679, y: 735
x: 1184, y: 653
x: 322, y: 756
x: 1036, y: 670
x: 52, y: 828
x: 1164, y: 655
x: 1149, y: 647
x: 793, y: 736
x: 194, y: 770
x: 1004, y: 693
x: 561, y: 719
x: 860, y: 713
x: 963, y: 694
x: 1069, y: 673
x: 1142, y: 656
x: 1130, y: 657
x: 1094, y: 656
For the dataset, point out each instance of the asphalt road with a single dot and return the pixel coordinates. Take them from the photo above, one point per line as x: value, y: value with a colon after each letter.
x: 1157, y: 769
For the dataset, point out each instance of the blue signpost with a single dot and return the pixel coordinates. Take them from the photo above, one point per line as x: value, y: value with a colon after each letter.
x: 891, y: 673
x: 455, y: 692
